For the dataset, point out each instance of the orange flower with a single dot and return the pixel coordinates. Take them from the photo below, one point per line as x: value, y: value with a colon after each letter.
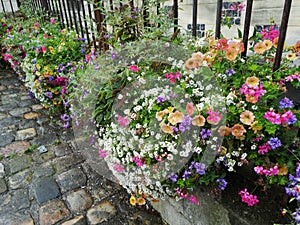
x: 237, y: 130
x: 283, y: 170
x: 251, y: 99
x: 260, y: 48
x: 241, y: 47
x: 198, y: 121
x: 275, y: 43
x: 247, y: 117
x: 141, y: 201
x: 160, y: 114
x: 191, y: 63
x: 231, y: 54
x: 252, y: 81
x: 224, y: 131
x: 176, y: 117
x: 268, y: 44
x: 233, y: 46
x: 166, y: 128
x: 296, y: 47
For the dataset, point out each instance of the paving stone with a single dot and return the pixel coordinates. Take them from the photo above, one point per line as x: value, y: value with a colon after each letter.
x: 64, y: 163
x: 15, y: 201
x: 53, y: 212
x: 25, y: 97
x: 78, y: 220
x: 101, y: 212
x: 3, y: 116
x: 7, y: 107
x: 19, y: 163
x: 62, y: 149
x: 24, y: 124
x: 6, y: 139
x: 43, y: 171
x: 71, y: 180
x: 37, y: 107
x: 31, y: 115
x: 2, y: 171
x: 43, y: 157
x: 25, y: 103
x: 2, y: 88
x: 79, y: 200
x: 19, y: 111
x: 26, y: 134
x: 17, y: 147
x: 20, y: 180
x: 23, y: 221
x: 3, y: 186
x: 9, y: 121
x: 46, y: 189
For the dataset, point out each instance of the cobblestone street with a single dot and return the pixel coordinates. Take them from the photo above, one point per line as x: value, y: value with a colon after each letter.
x: 51, y: 183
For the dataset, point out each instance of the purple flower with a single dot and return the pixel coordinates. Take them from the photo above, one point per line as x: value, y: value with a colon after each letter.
x: 173, y: 95
x: 161, y: 99
x: 286, y: 103
x: 114, y: 56
x: 65, y: 117
x: 33, y: 61
x: 49, y: 94
x: 222, y: 183
x: 81, y: 39
x: 200, y: 168
x: 66, y: 125
x: 185, y: 124
x: 230, y: 72
x: 205, y: 133
x: 274, y: 143
x: 173, y: 177
x: 67, y: 104
x: 292, y: 120
x: 186, y: 174
x: 51, y: 78
x: 82, y: 50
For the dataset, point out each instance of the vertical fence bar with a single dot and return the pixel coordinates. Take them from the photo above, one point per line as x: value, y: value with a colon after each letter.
x: 175, y: 8
x: 79, y: 18
x: 69, y: 12
x: 74, y: 16
x: 18, y: 3
x: 218, y: 19
x: 283, y: 29
x: 62, y: 20
x: 66, y: 14
x: 3, y: 6
x: 194, y: 27
x: 247, y: 25
x: 85, y: 23
x: 98, y: 18
x: 90, y: 16
x: 111, y: 4
x: 12, y: 8
x: 51, y: 8
x: 145, y: 13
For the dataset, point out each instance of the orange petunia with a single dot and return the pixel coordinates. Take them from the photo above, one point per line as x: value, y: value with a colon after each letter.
x: 224, y: 131
x: 291, y: 56
x: 260, y: 48
x: 247, y: 117
x: 252, y: 81
x: 141, y: 201
x: 268, y: 44
x: 238, y: 130
x: 167, y: 128
x: 176, y: 117
x: 231, y: 54
x: 191, y: 63
x: 296, y: 47
x: 198, y: 121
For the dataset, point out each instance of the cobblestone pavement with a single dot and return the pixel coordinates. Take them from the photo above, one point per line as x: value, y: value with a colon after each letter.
x: 52, y: 184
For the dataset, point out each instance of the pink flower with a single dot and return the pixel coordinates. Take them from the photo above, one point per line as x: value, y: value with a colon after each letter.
x: 158, y: 159
x: 60, y: 81
x: 190, y: 108
x: 273, y: 117
x: 248, y: 198
x: 119, y: 168
x: 173, y: 77
x: 134, y: 68
x: 52, y: 20
x: 123, y: 121
x: 137, y: 161
x: 102, y: 153
x: 241, y: 7
x: 259, y: 170
x: 7, y: 57
x: 194, y: 200
x: 214, y: 117
x: 44, y: 49
x: 46, y: 36
x: 264, y: 149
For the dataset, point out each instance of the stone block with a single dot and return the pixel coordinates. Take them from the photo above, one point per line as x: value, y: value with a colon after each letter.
x: 101, y: 213
x: 71, y: 180
x: 31, y: 115
x: 19, y: 163
x: 78, y: 220
x: 19, y: 111
x: 79, y: 200
x: 20, y: 180
x: 3, y: 187
x: 46, y: 189
x: 53, y: 212
x: 25, y: 134
x: 17, y: 147
x: 2, y: 171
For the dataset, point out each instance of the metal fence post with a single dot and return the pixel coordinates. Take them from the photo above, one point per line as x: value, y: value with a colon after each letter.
x: 247, y: 26
x: 218, y: 19
x: 283, y: 29
x: 194, y: 27
x: 175, y: 11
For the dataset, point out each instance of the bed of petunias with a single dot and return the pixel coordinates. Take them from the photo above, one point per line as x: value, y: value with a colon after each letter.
x: 168, y: 124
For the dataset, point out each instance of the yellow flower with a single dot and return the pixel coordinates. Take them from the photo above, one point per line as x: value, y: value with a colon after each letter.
x: 252, y: 81
x: 198, y: 121
x: 231, y: 54
x: 38, y: 73
x: 166, y: 128
x: 170, y: 109
x: 38, y: 66
x: 247, y: 117
x: 255, y: 127
x: 132, y: 200
x: 268, y: 44
x: 176, y: 117
x: 283, y: 170
x: 275, y: 43
x: 141, y: 201
x: 160, y: 114
x: 51, y: 49
x: 260, y: 48
x: 63, y: 31
x: 291, y: 56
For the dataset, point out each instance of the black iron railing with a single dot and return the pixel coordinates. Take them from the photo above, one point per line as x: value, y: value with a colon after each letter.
x: 77, y: 14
